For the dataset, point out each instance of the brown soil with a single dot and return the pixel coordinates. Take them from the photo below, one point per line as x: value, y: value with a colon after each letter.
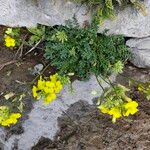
x: 17, y: 78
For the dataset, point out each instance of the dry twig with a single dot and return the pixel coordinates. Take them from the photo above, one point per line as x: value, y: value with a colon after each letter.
x: 7, y: 63
x: 34, y: 47
x: 20, y: 49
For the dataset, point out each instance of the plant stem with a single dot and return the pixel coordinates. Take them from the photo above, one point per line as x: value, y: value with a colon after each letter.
x: 108, y: 82
x: 104, y: 79
x: 100, y: 83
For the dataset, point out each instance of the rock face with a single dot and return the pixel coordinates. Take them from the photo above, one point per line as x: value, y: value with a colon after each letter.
x: 51, y: 12
x: 130, y: 23
x: 140, y: 48
x: 31, y: 12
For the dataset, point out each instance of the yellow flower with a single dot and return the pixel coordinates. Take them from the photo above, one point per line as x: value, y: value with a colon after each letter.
x: 48, y: 90
x: 50, y: 84
x: 131, y: 108
x: 54, y: 78
x: 9, y: 41
x: 58, y: 87
x: 58, y: 84
x: 41, y: 84
x: 57, y: 90
x: 15, y: 115
x: 12, y: 119
x: 34, y: 91
x: 115, y: 112
x: 50, y: 98
x: 104, y: 109
x: 7, y: 122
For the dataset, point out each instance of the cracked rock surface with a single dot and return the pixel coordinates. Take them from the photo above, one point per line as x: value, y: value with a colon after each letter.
x: 128, y: 22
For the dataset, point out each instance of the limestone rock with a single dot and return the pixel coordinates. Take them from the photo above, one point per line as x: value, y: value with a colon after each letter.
x: 31, y: 12
x: 128, y: 22
x: 140, y: 48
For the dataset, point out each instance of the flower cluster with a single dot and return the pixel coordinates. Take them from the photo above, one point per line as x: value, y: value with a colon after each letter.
x: 47, y: 89
x: 7, y: 118
x: 118, y: 67
x: 116, y: 103
x: 9, y: 41
x: 128, y: 108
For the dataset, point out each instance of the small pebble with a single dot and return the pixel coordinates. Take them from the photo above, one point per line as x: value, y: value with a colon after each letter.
x: 37, y: 69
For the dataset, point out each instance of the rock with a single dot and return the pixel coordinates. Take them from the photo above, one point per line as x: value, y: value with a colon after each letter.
x: 142, y: 43
x: 47, y: 12
x: 37, y: 69
x: 128, y: 22
x: 2, y: 139
x: 140, y: 48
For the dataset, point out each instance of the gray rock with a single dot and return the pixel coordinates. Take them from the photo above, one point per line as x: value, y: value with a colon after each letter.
x: 2, y: 138
x: 130, y: 23
x: 37, y: 69
x: 140, y: 43
x: 29, y: 13
x: 141, y: 58
x: 140, y: 48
